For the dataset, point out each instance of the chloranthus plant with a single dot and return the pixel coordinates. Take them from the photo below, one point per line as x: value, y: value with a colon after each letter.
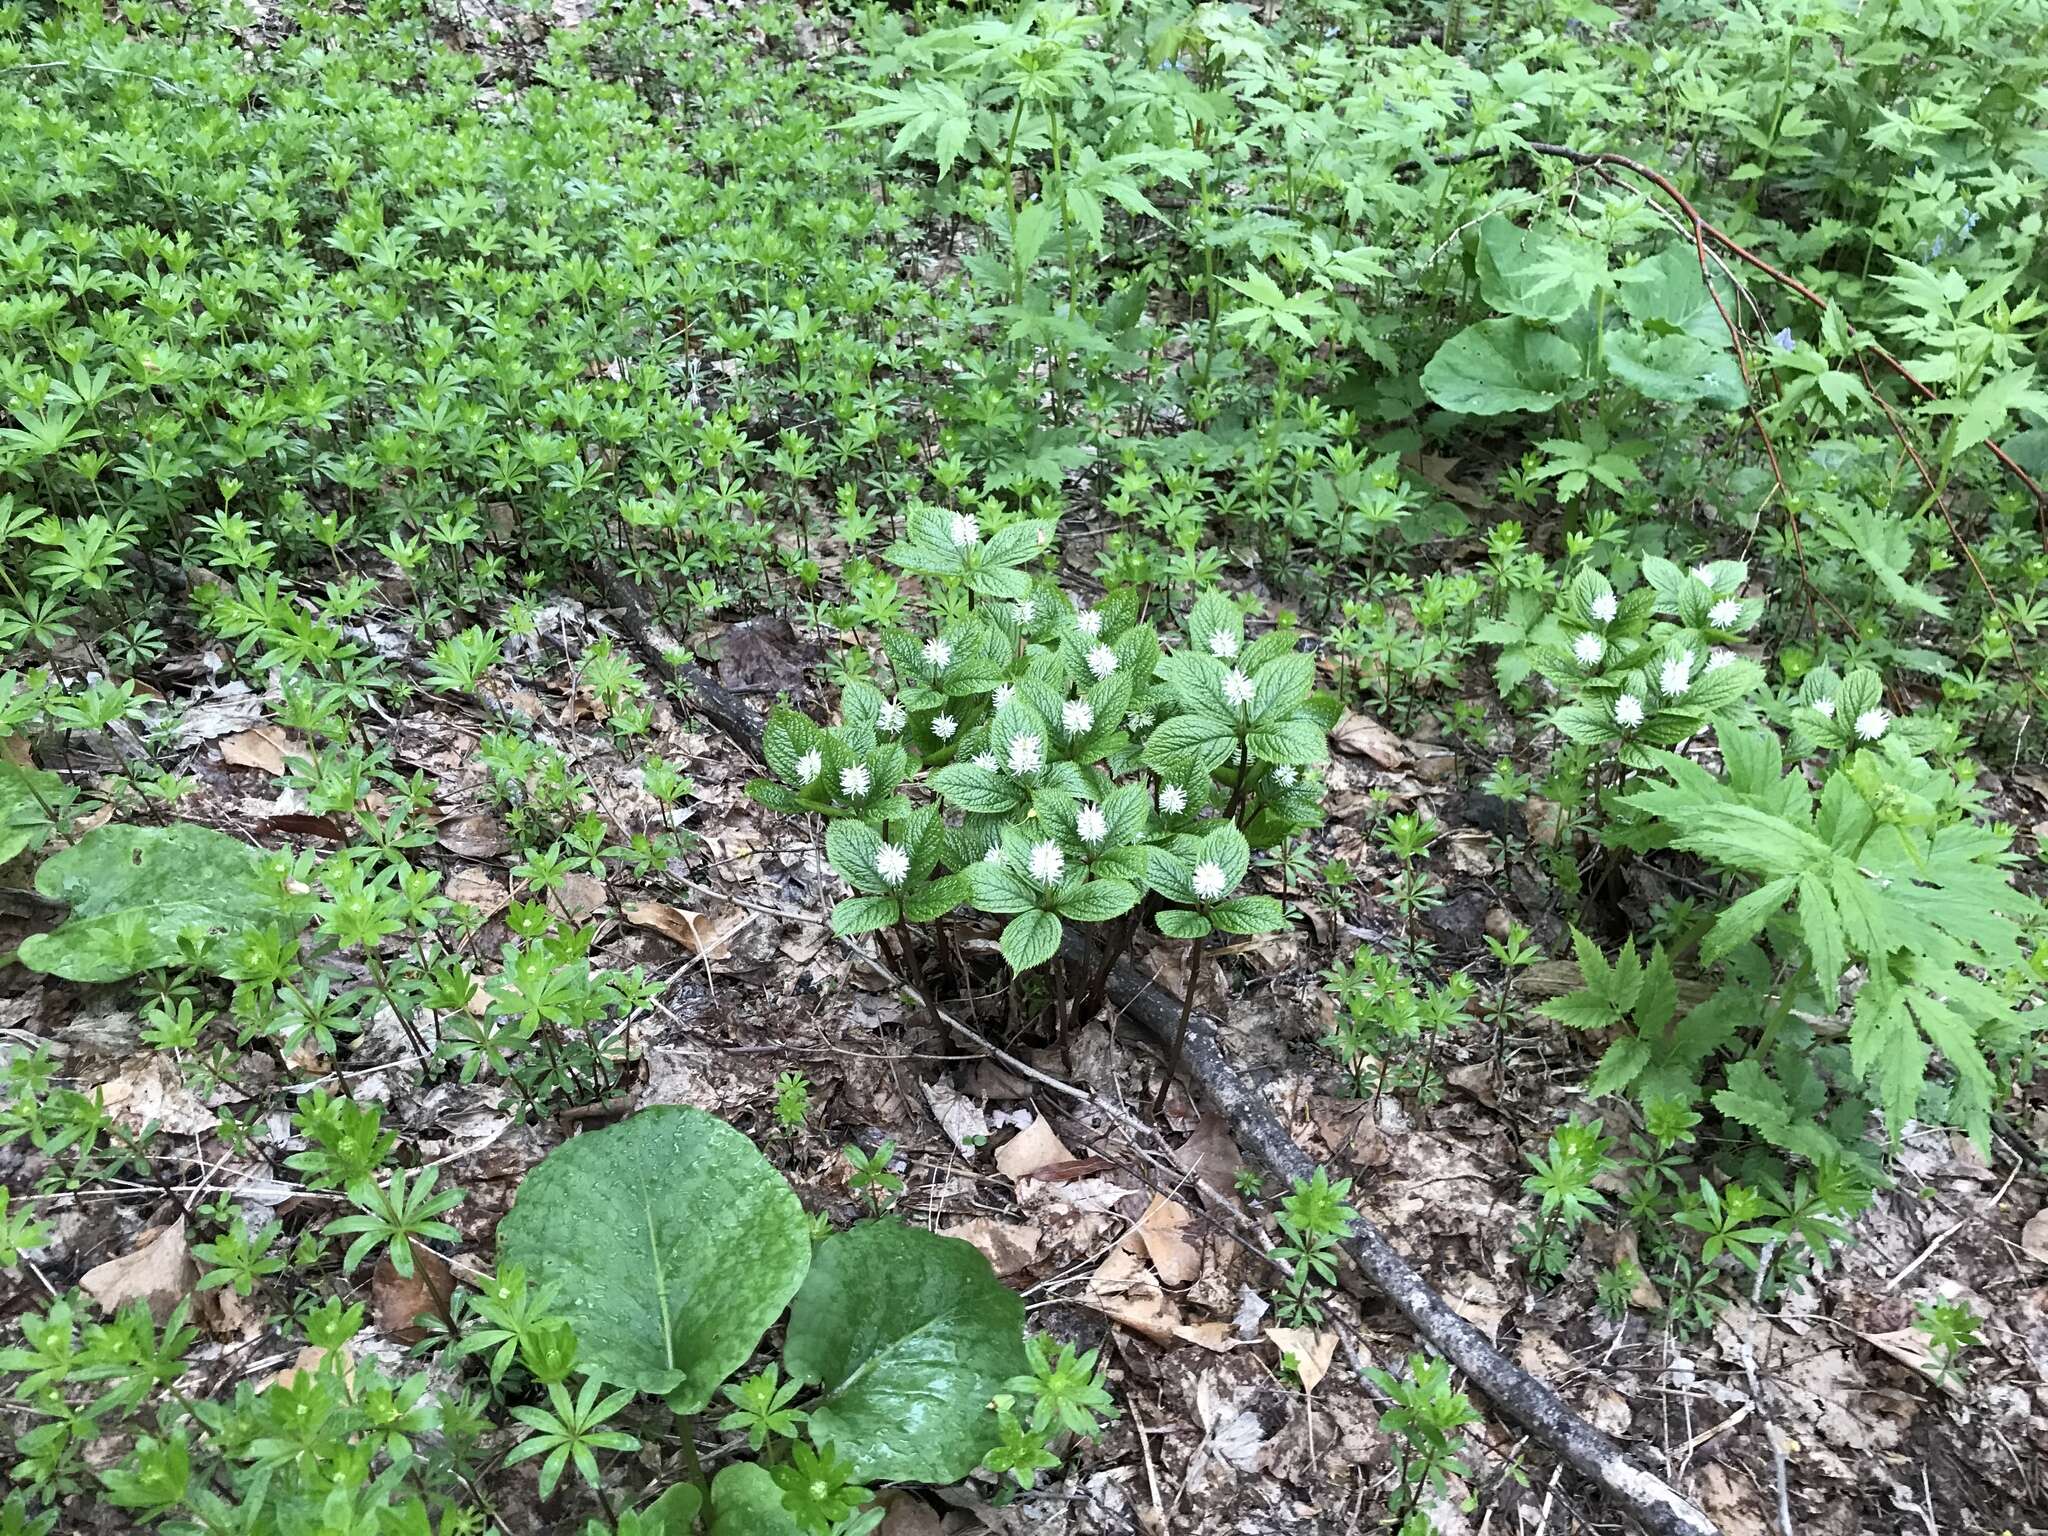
x: 1055, y: 763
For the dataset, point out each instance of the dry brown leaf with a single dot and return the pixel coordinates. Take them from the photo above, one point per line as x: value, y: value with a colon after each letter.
x: 480, y: 889
x: 154, y: 1089
x: 398, y: 1303
x: 959, y: 1117
x: 160, y: 1274
x: 1363, y: 736
x: 1312, y: 1352
x: 2034, y: 1237
x: 1033, y: 1148
x: 1163, y: 1231
x: 1124, y: 1289
x: 578, y: 898
x: 1009, y: 1246
x: 708, y: 935
x: 263, y: 747
x: 310, y: 1358
x: 473, y: 836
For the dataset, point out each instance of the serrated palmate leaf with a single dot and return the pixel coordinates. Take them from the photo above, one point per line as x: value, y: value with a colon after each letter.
x: 1542, y: 273
x: 674, y: 1243
x: 135, y: 891
x: 1098, y: 901
x: 1756, y: 1099
x: 862, y: 914
x: 1030, y: 939
x: 909, y: 1334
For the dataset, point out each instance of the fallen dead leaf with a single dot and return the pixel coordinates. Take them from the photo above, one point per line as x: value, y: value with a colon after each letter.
x: 479, y: 889
x: 310, y: 1358
x: 1033, y: 1148
x: 959, y: 1117
x: 2034, y: 1237
x: 1312, y: 1352
x: 1009, y: 1246
x: 1363, y: 736
x: 263, y: 747
x: 1163, y: 1231
x: 234, y: 708
x: 708, y: 935
x: 473, y: 836
x: 160, y: 1274
x: 578, y: 898
x: 398, y: 1303
x: 154, y: 1089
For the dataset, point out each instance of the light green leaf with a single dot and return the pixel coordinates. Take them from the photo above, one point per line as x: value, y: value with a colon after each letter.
x: 1029, y: 939
x: 1676, y: 367
x: 674, y: 1243
x: 909, y: 1334
x: 1498, y: 366
x: 1542, y: 273
x: 134, y: 891
x: 746, y: 1502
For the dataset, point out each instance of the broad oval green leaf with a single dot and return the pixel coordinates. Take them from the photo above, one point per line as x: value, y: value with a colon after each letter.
x: 1677, y: 368
x: 675, y: 1245
x: 134, y: 892
x: 1544, y: 272
x: 909, y: 1334
x: 1499, y: 366
x: 746, y: 1502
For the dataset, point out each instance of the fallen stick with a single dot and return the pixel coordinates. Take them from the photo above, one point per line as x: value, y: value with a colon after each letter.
x: 1532, y: 1404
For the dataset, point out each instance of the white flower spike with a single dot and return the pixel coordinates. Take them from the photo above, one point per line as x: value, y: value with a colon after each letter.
x: 1101, y: 661
x: 1588, y: 649
x: 1222, y: 644
x: 966, y: 530
x: 1725, y: 614
x: 1047, y: 862
x: 1173, y: 799
x: 1628, y: 711
x: 943, y: 727
x: 1675, y: 676
x: 1091, y: 826
x: 1208, y: 880
x: 893, y: 716
x: 892, y: 864
x: 1077, y: 717
x: 1238, y: 689
x: 1605, y: 607
x: 1027, y: 753
x: 809, y: 766
x: 1870, y: 725
x: 854, y: 780
x: 937, y: 654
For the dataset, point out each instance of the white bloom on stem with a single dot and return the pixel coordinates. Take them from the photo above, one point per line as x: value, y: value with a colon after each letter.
x: 1027, y: 610
x: 1173, y: 799
x: 1004, y: 693
x: 893, y: 716
x: 854, y: 780
x: 1077, y: 717
x: 1088, y: 622
x: 1091, y: 826
x: 1237, y: 688
x: 993, y: 856
x: 1222, y: 644
x: 985, y: 761
x: 937, y: 654
x: 1102, y: 661
x: 1209, y: 881
x: 943, y: 727
x: 1725, y: 613
x: 1138, y: 720
x: 809, y: 766
x: 1719, y: 658
x: 1589, y: 648
x: 1628, y: 711
x: 1675, y: 676
x: 1286, y: 776
x: 1824, y: 706
x: 892, y: 864
x: 1027, y: 753
x: 1047, y: 862
x: 1704, y: 575
x: 966, y: 529
x: 1871, y: 724
x: 1605, y: 607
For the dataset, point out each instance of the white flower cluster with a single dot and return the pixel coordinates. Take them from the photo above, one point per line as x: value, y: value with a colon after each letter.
x: 892, y: 864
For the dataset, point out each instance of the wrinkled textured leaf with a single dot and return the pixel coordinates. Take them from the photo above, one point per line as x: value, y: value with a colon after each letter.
x: 910, y: 1334
x: 134, y: 891
x: 675, y: 1245
x: 1499, y: 366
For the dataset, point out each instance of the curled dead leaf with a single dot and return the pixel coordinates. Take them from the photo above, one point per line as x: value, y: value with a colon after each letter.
x: 708, y: 934
x: 262, y: 747
x: 1311, y: 1352
x: 399, y: 1303
x: 159, y: 1274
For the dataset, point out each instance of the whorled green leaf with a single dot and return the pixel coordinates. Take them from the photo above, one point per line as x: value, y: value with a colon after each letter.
x: 1498, y: 366
x: 674, y: 1244
x: 909, y: 1334
x: 135, y: 892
